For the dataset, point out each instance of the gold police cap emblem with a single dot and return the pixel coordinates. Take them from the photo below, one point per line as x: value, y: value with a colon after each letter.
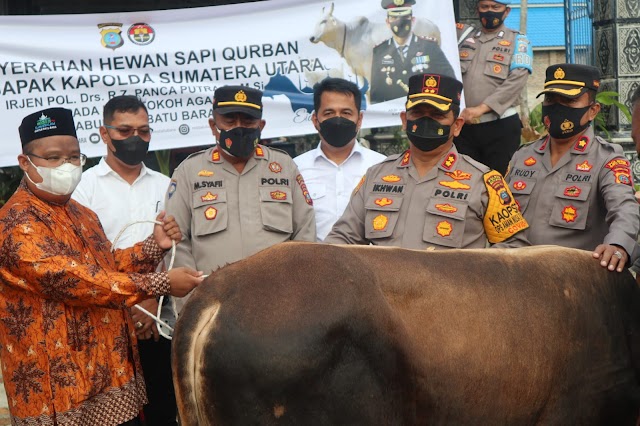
x: 398, y: 2
x: 431, y: 82
x: 566, y: 126
x: 241, y: 96
x: 559, y: 74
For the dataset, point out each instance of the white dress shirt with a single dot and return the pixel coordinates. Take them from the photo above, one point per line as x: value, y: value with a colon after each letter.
x: 330, y: 184
x: 118, y: 204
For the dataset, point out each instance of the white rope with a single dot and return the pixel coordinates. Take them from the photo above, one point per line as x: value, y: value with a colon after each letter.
x: 156, y: 317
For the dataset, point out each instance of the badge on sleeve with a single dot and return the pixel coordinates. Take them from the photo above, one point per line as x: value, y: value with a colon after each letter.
x: 303, y: 188
x: 172, y: 188
x: 503, y: 218
x: 275, y: 167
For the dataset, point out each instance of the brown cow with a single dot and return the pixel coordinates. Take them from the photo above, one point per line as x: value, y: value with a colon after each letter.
x: 313, y: 334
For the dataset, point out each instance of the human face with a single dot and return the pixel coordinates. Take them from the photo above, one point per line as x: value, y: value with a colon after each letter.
x: 635, y: 126
x: 43, y: 150
x: 579, y: 102
x: 127, y: 124
x: 233, y: 120
x: 337, y: 104
x: 491, y: 6
x: 424, y: 120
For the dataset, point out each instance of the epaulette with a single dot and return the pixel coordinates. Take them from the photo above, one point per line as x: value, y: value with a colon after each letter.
x: 392, y: 157
x: 611, y: 146
x: 273, y: 148
x: 478, y: 165
x: 381, y: 43
x: 196, y: 153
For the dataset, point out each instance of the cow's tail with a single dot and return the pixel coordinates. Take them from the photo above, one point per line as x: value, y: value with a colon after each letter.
x: 186, y: 355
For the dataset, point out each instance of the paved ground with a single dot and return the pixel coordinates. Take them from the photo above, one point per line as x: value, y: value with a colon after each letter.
x: 4, y: 406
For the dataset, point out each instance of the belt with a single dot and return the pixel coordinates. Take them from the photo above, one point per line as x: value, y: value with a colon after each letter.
x: 492, y: 116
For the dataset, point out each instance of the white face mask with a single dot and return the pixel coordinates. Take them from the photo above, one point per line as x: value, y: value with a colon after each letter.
x: 61, y: 180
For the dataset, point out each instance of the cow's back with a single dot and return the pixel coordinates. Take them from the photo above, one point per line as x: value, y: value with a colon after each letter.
x: 319, y: 334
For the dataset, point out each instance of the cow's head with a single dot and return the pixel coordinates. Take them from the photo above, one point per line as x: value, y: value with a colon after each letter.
x: 325, y: 28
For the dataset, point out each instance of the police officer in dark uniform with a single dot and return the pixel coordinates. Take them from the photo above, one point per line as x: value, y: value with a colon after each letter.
x: 404, y: 54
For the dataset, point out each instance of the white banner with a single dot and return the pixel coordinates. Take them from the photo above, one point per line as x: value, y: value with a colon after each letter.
x: 174, y: 60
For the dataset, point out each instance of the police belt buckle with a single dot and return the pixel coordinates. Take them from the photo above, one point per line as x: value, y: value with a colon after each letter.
x: 492, y: 116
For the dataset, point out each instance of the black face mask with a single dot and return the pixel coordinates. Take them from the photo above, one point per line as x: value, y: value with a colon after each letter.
x: 240, y: 141
x: 491, y: 20
x: 427, y: 134
x: 338, y: 131
x: 131, y: 150
x: 562, y: 121
x: 401, y: 27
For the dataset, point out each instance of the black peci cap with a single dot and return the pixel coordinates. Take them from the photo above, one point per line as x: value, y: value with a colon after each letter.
x: 571, y: 80
x: 228, y: 99
x: 437, y: 90
x: 47, y: 122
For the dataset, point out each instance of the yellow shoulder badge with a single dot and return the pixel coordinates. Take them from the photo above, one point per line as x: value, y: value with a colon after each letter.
x: 502, y: 219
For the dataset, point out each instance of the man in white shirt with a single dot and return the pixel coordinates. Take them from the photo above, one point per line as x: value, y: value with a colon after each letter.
x: 333, y: 169
x: 122, y: 190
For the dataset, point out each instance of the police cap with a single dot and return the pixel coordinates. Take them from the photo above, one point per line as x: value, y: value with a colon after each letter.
x: 228, y: 99
x: 397, y: 7
x: 571, y: 80
x: 505, y: 2
x: 437, y: 90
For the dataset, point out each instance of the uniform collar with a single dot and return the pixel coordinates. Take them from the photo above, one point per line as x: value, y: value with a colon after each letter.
x: 319, y: 153
x: 214, y: 156
x: 103, y: 169
x: 447, y: 163
x: 395, y: 43
x: 580, y: 146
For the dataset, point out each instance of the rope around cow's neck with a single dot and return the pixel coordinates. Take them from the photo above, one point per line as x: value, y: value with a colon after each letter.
x: 156, y: 317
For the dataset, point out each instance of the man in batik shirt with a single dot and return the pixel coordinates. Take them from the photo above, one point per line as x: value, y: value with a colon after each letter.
x: 67, y: 343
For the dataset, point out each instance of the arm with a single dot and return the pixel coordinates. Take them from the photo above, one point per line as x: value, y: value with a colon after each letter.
x: 623, y: 216
x: 349, y: 229
x: 504, y: 225
x: 35, y: 260
x: 304, y: 217
x: 503, y: 96
x: 178, y: 204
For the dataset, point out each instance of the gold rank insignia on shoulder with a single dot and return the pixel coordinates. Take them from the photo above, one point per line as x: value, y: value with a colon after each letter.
x: 559, y: 74
x: 205, y: 173
x: 449, y: 161
x: 215, y: 156
x: 241, y: 96
x: 259, y: 151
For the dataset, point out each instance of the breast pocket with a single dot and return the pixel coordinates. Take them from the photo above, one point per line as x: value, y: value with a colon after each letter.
x: 276, y: 209
x: 521, y: 190
x: 571, y: 206
x: 497, y: 65
x: 445, y: 223
x: 210, y: 213
x: 467, y: 54
x: 317, y: 190
x: 381, y: 216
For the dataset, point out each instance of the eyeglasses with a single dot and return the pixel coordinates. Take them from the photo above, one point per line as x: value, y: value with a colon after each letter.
x: 494, y: 7
x: 127, y: 132
x: 57, y: 161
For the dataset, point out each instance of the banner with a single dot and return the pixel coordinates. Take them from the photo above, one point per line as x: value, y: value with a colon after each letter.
x: 175, y: 59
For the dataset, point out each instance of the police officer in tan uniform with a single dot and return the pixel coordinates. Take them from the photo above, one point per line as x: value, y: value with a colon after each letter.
x: 574, y: 188
x: 431, y: 196
x: 404, y: 54
x: 238, y: 197
x: 495, y: 62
